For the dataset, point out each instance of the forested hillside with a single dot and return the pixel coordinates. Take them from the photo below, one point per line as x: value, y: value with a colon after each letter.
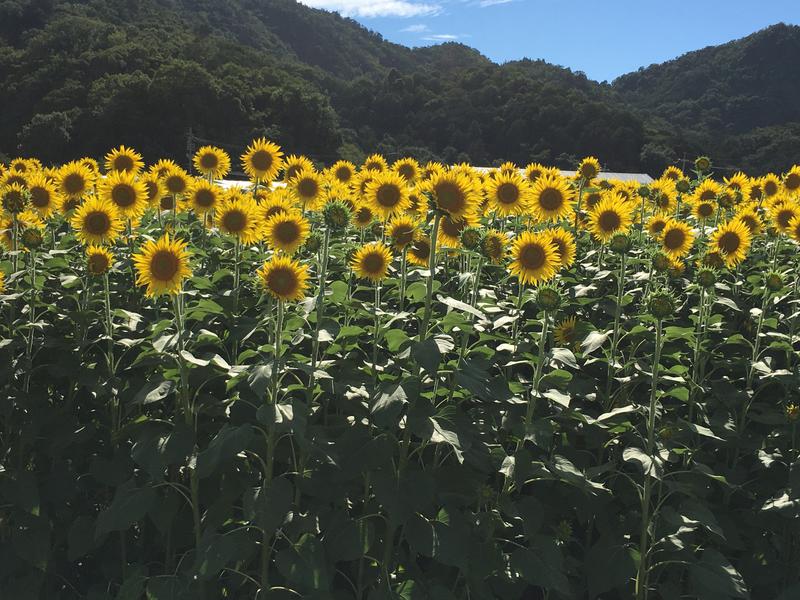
x: 80, y: 77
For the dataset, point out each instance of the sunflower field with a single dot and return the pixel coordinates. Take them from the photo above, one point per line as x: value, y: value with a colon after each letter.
x: 396, y: 381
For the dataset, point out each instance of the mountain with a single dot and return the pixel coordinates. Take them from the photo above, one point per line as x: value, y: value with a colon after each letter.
x: 165, y: 75
x: 736, y: 101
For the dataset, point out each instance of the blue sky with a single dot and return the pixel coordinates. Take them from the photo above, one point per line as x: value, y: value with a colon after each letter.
x: 602, y: 39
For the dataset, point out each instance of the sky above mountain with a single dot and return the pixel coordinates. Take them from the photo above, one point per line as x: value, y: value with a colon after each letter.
x: 602, y: 39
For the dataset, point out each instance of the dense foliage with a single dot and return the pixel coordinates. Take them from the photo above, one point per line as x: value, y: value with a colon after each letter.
x: 78, y: 77
x: 406, y: 382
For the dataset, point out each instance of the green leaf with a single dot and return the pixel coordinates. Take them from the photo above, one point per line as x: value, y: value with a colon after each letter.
x: 541, y: 565
x: 130, y: 505
x: 305, y: 565
x: 154, y: 390
x: 714, y: 577
x: 428, y: 353
x: 223, y: 448
x: 259, y: 379
x: 386, y: 409
x: 593, y: 341
x: 650, y: 465
x: 218, y: 551
x: 608, y: 566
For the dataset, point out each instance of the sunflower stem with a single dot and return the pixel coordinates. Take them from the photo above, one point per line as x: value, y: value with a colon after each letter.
x: 615, y: 337
x: 641, y: 575
x: 403, y: 278
x: 423, y: 331
x: 236, y: 281
x: 376, y: 331
x: 698, y: 340
x: 31, y: 319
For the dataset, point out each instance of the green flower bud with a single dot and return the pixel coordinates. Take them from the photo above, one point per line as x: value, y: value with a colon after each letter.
x: 661, y: 305
x: 336, y: 215
x: 32, y: 238
x: 471, y: 238
x: 702, y: 164
x: 620, y: 243
x: 682, y: 185
x: 548, y: 298
x: 774, y: 282
x: 314, y: 242
x: 706, y: 278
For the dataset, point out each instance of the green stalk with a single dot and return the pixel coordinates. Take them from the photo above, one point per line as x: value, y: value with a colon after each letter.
x: 617, y: 318
x: 31, y: 318
x: 237, y: 249
x: 375, y: 336
x: 188, y: 416
x: 423, y: 332
x: 698, y: 339
x: 403, y: 278
x: 641, y: 576
x: 266, y: 547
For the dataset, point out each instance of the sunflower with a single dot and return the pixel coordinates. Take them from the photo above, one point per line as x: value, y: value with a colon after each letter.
x: 453, y: 193
x: 401, y: 230
x: 372, y: 261
x: 664, y: 195
x: 794, y: 229
x: 161, y: 168
x: 286, y: 231
x: 308, y: 189
x: 676, y: 239
x: 342, y: 171
x: 534, y: 258
x: 375, y: 162
x: 450, y: 229
x: 124, y: 191
x: 551, y: 199
x: 125, y: 160
x: 589, y: 168
x: 591, y: 197
x: 791, y: 181
x: 738, y: 183
x: 14, y: 198
x: 672, y: 172
x: 276, y: 203
x: 611, y: 216
x: 74, y: 180
x: 750, y: 218
x: 533, y: 171
x: 212, y: 162
x: 283, y: 278
x: 755, y: 190
x: 294, y: 165
x: 176, y: 181
x: 732, y: 241
x: 12, y: 178
x: 419, y: 252
x: 262, y: 160
x: 564, y: 242
x: 771, y: 185
x: 566, y: 334
x: 98, y: 260
x: 238, y: 215
x: 702, y: 209
x: 707, y: 190
x: 407, y: 168
x: 656, y: 225
x: 363, y: 216
x: 153, y: 190
x: 27, y: 219
x: 162, y: 266
x: 508, y: 193
x: 44, y: 196
x: 96, y: 222
x: 204, y: 196
x: 494, y: 245
x: 782, y: 213
x: 19, y: 165
x: 90, y: 164
x: 387, y: 194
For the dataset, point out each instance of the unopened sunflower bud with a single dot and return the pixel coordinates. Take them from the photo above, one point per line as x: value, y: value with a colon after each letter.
x: 706, y: 278
x: 336, y: 215
x: 661, y: 305
x: 702, y: 164
x: 620, y: 243
x: 774, y: 282
x: 682, y: 185
x: 548, y: 298
x: 471, y: 238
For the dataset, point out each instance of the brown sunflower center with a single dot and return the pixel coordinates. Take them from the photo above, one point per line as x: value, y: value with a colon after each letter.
x: 166, y: 203
x: 363, y: 216
x: 750, y: 222
x: 403, y: 234
x: 373, y: 263
x: 705, y: 209
x: 164, y: 265
x: 286, y: 232
x: 729, y: 242
x: 707, y: 195
x: 98, y: 264
x: 176, y: 184
x: 609, y: 220
x: 784, y: 216
x: 373, y: 166
x: 152, y: 190
x: 453, y: 228
x: 282, y: 281
x: 204, y: 198
x: 74, y: 183
x: 771, y: 188
x: 534, y: 174
x: 123, y: 195
x: 234, y: 221
x: 209, y: 161
x: 388, y: 195
x: 450, y: 197
x: 507, y: 193
x: 344, y: 174
x: 275, y: 209
x: 406, y: 171
x: 40, y: 197
x: 674, y: 239
x: 588, y: 171
x: 551, y: 199
x: 592, y: 199
x: 307, y: 188
x: 792, y: 181
x: 532, y: 256
x: 123, y: 162
x: 261, y: 160
x: 97, y: 223
x: 421, y: 249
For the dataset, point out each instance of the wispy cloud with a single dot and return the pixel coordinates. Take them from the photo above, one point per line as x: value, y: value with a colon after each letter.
x: 485, y: 3
x: 418, y: 28
x: 441, y: 37
x: 376, y: 8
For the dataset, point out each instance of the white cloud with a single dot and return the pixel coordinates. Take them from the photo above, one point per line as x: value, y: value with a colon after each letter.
x: 376, y: 8
x: 441, y: 37
x: 485, y: 3
x: 418, y: 28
